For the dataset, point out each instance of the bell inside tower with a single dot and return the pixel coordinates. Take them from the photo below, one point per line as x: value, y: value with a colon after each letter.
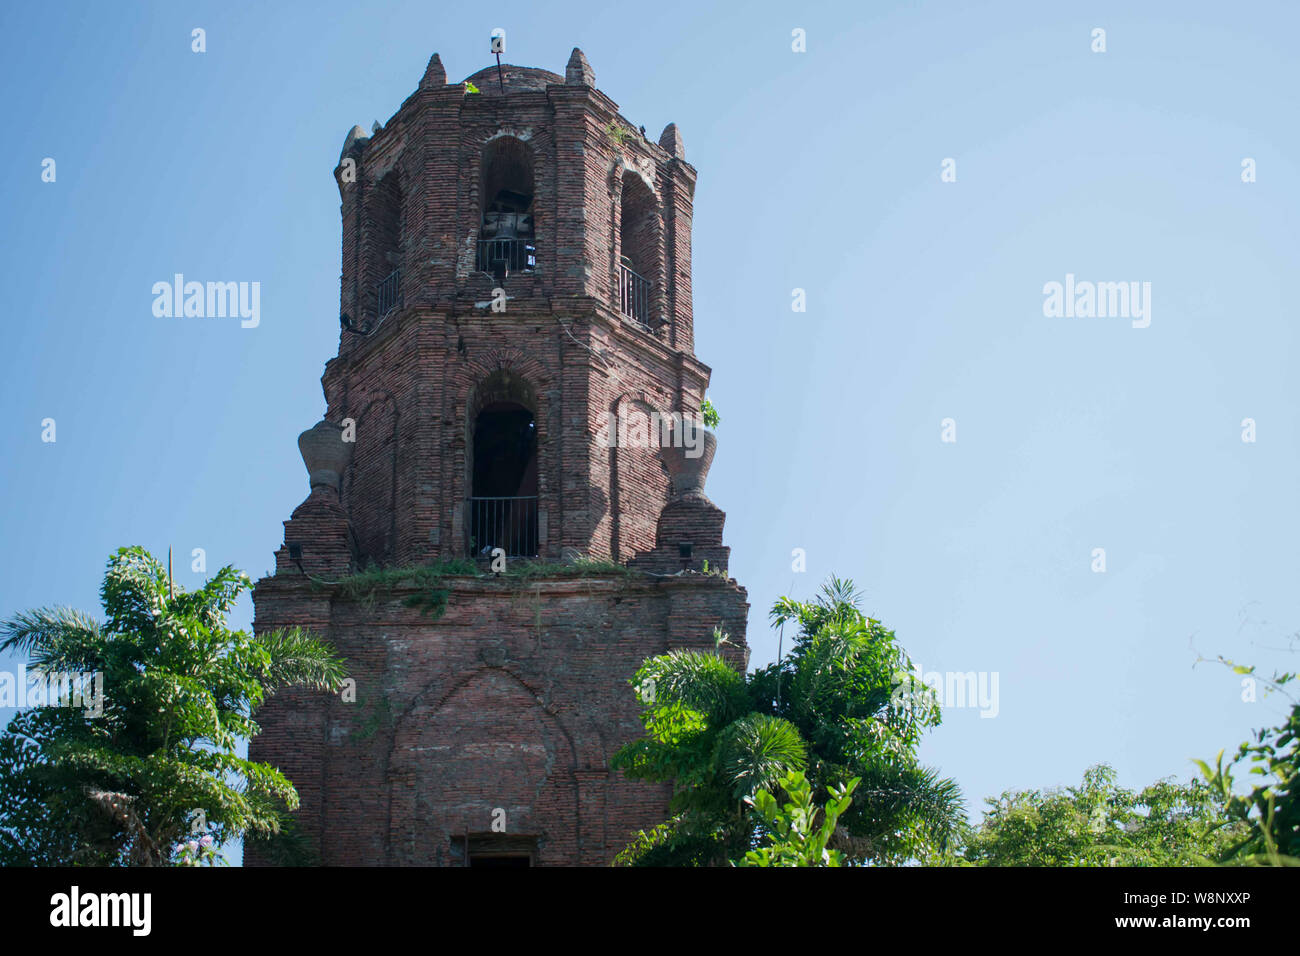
x: 507, y: 233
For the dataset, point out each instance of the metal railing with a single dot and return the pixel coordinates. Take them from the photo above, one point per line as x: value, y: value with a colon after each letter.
x: 519, y: 255
x: 509, y: 523
x: 388, y: 294
x: 635, y: 299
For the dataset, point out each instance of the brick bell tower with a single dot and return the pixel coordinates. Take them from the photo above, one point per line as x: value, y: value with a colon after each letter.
x: 515, y: 361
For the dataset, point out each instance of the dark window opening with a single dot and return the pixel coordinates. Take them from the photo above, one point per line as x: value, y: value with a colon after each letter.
x: 385, y: 203
x: 503, y: 496
x: 638, y: 249
x: 507, y: 233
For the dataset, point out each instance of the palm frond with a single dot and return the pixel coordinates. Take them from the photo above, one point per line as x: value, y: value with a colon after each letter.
x: 916, y: 797
x: 298, y: 658
x: 699, y: 680
x: 840, y: 594
x: 53, y: 632
x: 754, y: 752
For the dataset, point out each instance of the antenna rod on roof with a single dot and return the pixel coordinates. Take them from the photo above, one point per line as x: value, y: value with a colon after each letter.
x: 499, y: 47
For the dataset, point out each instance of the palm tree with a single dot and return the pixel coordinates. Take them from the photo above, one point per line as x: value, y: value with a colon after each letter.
x: 158, y: 763
x: 829, y: 708
x: 702, y: 733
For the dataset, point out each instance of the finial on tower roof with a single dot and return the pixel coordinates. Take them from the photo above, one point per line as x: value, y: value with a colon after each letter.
x: 434, y: 74
x: 579, y: 72
x: 671, y: 140
x: 354, y: 134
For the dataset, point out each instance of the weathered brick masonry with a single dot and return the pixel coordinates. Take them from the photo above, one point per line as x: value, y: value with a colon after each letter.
x: 516, y: 697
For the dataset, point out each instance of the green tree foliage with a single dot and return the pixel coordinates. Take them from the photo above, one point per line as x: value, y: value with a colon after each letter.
x: 1101, y: 824
x: 1267, y: 819
x: 159, y: 765
x: 790, y: 832
x: 709, y: 414
x: 829, y: 708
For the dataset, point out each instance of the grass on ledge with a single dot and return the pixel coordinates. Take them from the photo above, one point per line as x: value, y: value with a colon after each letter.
x: 363, y: 586
x: 431, y: 599
x: 582, y: 568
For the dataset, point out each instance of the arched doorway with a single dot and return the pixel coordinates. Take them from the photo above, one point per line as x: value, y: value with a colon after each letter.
x: 487, y: 747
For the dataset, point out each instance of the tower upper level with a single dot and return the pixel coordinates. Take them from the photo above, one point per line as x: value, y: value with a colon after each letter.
x: 521, y: 179
x: 516, y: 366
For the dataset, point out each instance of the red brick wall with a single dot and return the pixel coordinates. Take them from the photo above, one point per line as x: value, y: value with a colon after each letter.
x: 515, y: 699
x: 518, y: 697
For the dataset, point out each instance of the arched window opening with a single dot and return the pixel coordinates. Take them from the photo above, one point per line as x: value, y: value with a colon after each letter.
x: 637, y: 245
x: 385, y: 207
x: 507, y: 233
x: 503, y: 497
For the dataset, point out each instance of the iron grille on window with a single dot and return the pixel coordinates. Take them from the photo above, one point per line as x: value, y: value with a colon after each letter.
x: 508, y: 523
x: 388, y: 294
x: 636, y: 297
x: 519, y: 255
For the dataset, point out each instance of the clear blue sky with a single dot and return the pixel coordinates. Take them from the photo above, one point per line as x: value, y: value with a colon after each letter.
x: 818, y: 170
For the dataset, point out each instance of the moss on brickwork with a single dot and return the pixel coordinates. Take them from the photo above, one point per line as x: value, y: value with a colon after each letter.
x: 431, y: 599
x: 380, y: 717
x: 364, y: 584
